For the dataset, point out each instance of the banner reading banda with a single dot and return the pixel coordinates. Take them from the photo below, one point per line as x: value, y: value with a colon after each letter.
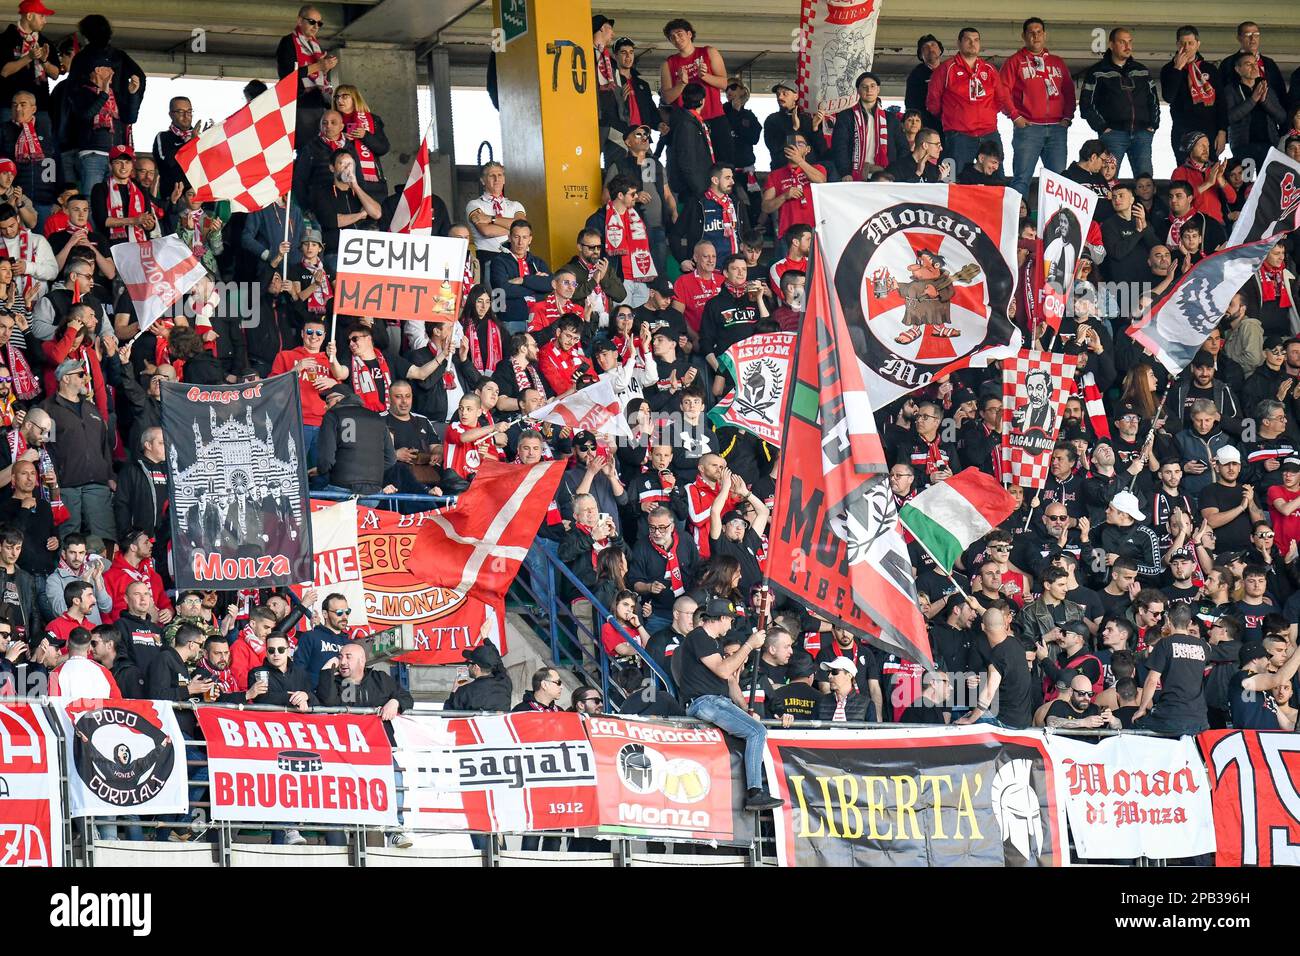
x: 389, y: 275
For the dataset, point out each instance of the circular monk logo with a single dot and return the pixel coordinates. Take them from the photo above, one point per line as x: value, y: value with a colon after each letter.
x: 922, y: 286
x: 123, y: 757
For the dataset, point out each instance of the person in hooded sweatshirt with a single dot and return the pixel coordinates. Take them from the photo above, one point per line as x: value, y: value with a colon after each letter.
x: 489, y: 687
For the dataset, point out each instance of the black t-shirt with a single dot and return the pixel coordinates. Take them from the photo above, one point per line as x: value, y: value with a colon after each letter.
x: 696, y: 679
x: 1125, y: 716
x: 798, y: 699
x: 661, y: 648
x: 1114, y: 605
x: 1180, y: 661
x: 1089, y: 600
x: 1015, y: 701
x: 1252, y: 618
x: 1235, y: 535
x: 1176, y: 595
x: 416, y: 432
x: 922, y: 713
x: 746, y: 552
x: 1251, y: 709
x: 1061, y: 708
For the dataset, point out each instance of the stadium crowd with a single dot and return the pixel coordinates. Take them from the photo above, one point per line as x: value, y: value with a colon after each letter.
x: 1153, y: 581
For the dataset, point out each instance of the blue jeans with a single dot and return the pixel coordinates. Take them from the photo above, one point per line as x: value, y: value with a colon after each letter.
x: 729, y: 718
x: 91, y: 168
x: 1038, y: 140
x: 309, y: 435
x: 108, y: 829
x: 963, y: 149
x: 1135, y: 145
x: 542, y: 582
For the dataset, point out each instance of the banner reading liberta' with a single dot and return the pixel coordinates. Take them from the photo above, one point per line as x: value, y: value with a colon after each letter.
x: 237, y: 480
x: 837, y: 43
x: 925, y: 275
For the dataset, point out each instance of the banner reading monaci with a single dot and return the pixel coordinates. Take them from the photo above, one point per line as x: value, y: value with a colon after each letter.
x: 237, y: 480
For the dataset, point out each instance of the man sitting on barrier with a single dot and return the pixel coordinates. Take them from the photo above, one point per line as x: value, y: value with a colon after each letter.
x: 705, y: 675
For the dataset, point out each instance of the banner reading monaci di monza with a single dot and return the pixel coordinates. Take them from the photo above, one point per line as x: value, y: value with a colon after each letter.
x: 299, y: 768
x: 962, y: 796
x: 31, y: 812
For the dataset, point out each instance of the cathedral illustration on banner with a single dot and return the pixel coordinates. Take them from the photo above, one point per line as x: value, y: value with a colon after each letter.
x: 238, y: 492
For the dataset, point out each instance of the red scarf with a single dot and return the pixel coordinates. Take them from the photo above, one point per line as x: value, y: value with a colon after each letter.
x: 308, y: 51
x: 26, y: 252
x: 862, y: 154
x: 633, y: 110
x: 626, y: 235
x: 739, y: 291
x: 708, y: 139
x: 934, y: 456
x: 25, y: 384
x: 1200, y: 84
x: 28, y: 148
x: 485, y: 364
x: 318, y: 300
x: 184, y: 135
x: 108, y: 112
x: 363, y: 381
x: 135, y: 207
x: 674, y: 570
x: 193, y: 221
x: 521, y: 262
x: 596, y: 546
x: 30, y: 42
x: 527, y: 377
x: 334, y: 144
x: 365, y: 155
x: 1176, y: 224
x: 497, y: 203
x: 1273, y: 285
x: 728, y: 217
x: 606, y: 75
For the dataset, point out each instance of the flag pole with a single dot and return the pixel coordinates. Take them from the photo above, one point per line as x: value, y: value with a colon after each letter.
x: 1150, y: 443
x: 288, y: 209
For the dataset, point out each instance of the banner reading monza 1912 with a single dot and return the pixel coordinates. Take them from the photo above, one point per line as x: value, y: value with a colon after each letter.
x: 237, y: 483
x: 960, y: 796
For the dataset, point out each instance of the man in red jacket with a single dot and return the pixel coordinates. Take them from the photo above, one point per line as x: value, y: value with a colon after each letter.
x: 966, y: 94
x: 134, y: 562
x: 1040, y: 88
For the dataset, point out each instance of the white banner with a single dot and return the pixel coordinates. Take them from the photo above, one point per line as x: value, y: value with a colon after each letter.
x: 837, y: 43
x: 336, y: 559
x: 1065, y: 211
x: 390, y: 275
x: 596, y: 408
x: 156, y: 274
x: 1130, y: 796
x: 123, y: 757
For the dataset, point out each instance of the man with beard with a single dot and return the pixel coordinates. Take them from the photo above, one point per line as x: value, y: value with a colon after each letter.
x: 844, y: 644
x: 518, y: 372
x: 600, y: 278
x: 929, y: 51
x: 1183, y: 212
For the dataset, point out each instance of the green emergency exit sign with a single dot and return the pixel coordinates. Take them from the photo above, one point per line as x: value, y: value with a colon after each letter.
x: 514, y: 19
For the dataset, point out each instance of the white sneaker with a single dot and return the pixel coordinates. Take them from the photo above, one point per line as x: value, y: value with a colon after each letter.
x: 401, y: 839
x: 294, y: 838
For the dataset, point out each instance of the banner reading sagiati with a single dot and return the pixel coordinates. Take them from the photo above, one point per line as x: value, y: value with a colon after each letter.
x: 960, y: 796
x: 156, y: 273
x: 1256, y: 779
x: 1035, y: 387
x: 664, y: 781
x: 509, y: 773
x: 299, y: 768
x: 837, y: 44
x: 124, y: 756
x: 31, y: 812
x: 391, y: 275
x: 1129, y: 796
x: 925, y: 275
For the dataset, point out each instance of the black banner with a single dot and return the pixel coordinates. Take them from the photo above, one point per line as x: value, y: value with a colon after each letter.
x: 237, y: 479
x: 953, y: 798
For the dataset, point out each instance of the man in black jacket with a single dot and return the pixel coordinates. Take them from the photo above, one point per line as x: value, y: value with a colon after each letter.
x: 110, y: 650
x: 168, y: 677
x: 930, y: 52
x: 169, y: 141
x: 354, y: 447
x: 141, y: 497
x: 1187, y: 83
x: 691, y: 151
x: 82, y: 453
x: 274, y: 682
x: 489, y: 686
x: 1119, y: 101
x: 789, y: 119
x: 300, y: 52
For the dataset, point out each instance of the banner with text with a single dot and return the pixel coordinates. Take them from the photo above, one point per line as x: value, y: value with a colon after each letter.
x: 31, y: 813
x: 1130, y: 796
x: 124, y: 757
x: 1065, y: 211
x: 299, y: 768
x: 1255, y: 777
x: 336, y: 559
x: 962, y: 796
x: 392, y: 275
x: 507, y: 773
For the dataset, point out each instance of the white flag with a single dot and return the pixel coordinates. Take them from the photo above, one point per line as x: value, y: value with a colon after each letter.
x: 156, y: 273
x: 595, y: 408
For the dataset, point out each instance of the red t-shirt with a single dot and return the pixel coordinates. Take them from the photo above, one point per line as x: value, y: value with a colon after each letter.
x: 313, y: 406
x: 697, y: 64
x: 461, y: 457
x: 694, y: 293
x: 793, y: 212
x: 1285, y: 527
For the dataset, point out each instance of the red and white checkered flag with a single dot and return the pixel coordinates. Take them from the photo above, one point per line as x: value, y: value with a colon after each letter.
x: 414, y: 212
x: 248, y: 157
x: 1035, y: 386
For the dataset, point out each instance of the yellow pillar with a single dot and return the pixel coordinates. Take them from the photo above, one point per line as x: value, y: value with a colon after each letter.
x: 546, y: 84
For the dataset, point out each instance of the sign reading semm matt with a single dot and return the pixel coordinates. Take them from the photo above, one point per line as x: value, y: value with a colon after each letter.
x: 391, y: 275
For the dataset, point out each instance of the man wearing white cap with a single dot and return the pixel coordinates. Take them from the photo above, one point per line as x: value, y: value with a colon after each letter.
x: 845, y: 701
x: 1228, y: 506
x: 1124, y: 537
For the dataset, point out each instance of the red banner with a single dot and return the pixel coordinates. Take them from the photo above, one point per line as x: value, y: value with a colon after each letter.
x: 1256, y: 780
x: 31, y: 818
x: 663, y: 781
x: 299, y: 768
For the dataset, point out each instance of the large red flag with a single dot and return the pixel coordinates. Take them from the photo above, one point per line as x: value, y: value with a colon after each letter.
x: 477, y: 546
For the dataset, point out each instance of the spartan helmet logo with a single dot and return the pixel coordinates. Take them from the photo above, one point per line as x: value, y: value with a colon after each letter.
x: 1015, y: 804
x: 636, y: 768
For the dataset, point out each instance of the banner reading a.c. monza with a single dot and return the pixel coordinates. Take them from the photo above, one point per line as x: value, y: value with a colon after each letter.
x: 958, y: 797
x: 237, y: 481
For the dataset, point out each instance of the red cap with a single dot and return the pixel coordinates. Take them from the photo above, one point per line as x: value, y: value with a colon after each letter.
x: 7, y: 166
x: 35, y: 6
x: 117, y: 152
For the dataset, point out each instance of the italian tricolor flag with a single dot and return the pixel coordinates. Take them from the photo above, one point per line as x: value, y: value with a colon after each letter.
x: 950, y: 515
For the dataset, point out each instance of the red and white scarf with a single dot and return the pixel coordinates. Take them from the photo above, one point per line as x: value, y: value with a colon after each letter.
x: 596, y: 546
x: 28, y: 147
x: 1273, y: 285
x: 496, y: 202
x: 184, y: 135
x: 863, y: 154
x: 626, y: 235
x: 193, y: 221
x: 318, y: 300
x: 108, y: 112
x: 527, y: 377
x: 334, y: 144
x: 708, y: 138
x: 30, y: 42
x: 486, y: 364
x: 728, y: 217
x: 366, y: 160
x: 135, y: 207
x: 27, y: 253
x: 673, y: 572
x: 606, y: 75
x: 308, y: 51
x: 25, y: 385
x: 1092, y: 401
x: 141, y: 573
x: 1176, y: 224
x: 1200, y: 84
x: 364, y: 384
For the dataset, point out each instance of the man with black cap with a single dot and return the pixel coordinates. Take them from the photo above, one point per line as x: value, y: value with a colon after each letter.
x: 489, y: 685
x: 797, y: 699
x: 655, y: 202
x: 867, y: 137
x: 1182, y: 588
x: 1249, y: 698
x: 787, y: 120
x: 705, y: 689
x: 929, y: 50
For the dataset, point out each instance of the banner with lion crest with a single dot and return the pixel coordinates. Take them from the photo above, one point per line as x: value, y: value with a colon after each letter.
x: 760, y: 367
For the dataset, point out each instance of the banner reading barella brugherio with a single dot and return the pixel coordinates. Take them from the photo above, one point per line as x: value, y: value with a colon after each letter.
x: 237, y: 482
